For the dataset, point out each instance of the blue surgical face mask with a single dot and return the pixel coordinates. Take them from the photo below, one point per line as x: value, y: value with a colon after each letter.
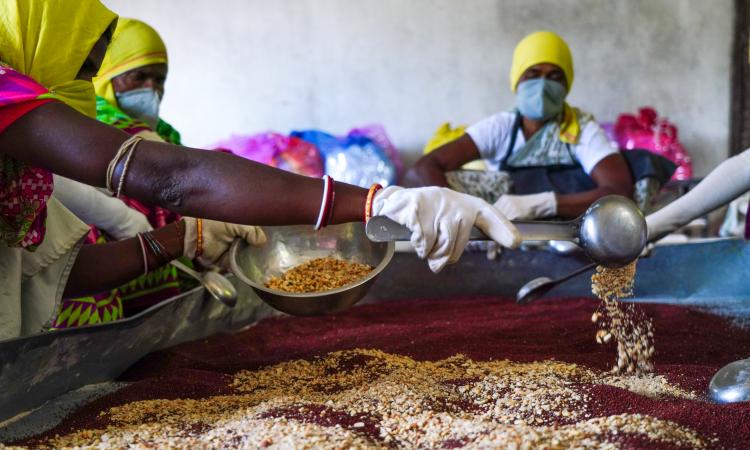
x: 142, y: 104
x: 540, y: 99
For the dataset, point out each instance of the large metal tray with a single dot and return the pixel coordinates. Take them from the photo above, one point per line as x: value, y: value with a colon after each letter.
x: 38, y: 369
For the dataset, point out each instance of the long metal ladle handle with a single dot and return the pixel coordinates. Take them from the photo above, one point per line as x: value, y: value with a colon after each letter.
x: 383, y: 229
x: 187, y: 270
x: 215, y: 284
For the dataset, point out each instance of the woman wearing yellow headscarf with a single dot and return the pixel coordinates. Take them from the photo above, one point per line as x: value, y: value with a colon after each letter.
x: 130, y: 83
x: 129, y: 88
x: 557, y: 156
x: 50, y: 50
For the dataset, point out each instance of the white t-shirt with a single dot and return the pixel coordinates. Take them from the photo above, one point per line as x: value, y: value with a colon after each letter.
x: 492, y: 137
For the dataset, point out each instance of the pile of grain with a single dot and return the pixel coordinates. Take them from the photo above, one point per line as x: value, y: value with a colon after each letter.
x: 318, y: 275
x: 631, y: 329
x: 371, y: 399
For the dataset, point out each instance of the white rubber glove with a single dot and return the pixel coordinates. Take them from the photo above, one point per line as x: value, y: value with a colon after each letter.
x: 441, y: 220
x: 97, y: 208
x: 533, y: 206
x: 217, y: 238
x: 728, y: 181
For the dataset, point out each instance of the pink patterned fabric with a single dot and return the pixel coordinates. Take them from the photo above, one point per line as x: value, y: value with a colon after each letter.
x: 24, y: 190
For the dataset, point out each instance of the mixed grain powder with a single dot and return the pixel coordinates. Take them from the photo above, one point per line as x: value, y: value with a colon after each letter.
x: 318, y: 275
x: 371, y: 399
x: 622, y: 323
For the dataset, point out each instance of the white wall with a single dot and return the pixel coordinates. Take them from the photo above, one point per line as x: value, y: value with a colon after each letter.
x: 254, y: 65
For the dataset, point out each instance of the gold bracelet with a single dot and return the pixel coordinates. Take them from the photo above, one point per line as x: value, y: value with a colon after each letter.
x: 370, y: 197
x: 199, y: 243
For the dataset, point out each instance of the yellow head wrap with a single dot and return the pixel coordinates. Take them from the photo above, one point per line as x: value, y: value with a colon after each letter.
x: 134, y: 44
x: 49, y: 40
x: 547, y: 47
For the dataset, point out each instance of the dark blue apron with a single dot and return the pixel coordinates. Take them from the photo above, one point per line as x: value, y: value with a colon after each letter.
x: 560, y: 178
x: 571, y: 178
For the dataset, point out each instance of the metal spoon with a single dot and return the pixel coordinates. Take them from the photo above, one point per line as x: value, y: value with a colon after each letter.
x: 731, y: 384
x: 540, y: 286
x: 215, y: 283
x: 612, y: 232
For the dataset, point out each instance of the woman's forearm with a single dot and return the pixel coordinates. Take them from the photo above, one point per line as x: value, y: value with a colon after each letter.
x: 570, y: 206
x: 430, y: 169
x: 192, y: 182
x: 426, y: 172
x: 224, y: 187
x: 99, y: 268
x: 611, y: 176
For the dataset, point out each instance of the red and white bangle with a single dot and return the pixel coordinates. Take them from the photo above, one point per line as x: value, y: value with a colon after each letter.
x: 370, y: 198
x: 326, y: 203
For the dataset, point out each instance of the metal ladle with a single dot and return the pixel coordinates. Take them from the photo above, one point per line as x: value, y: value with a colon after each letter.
x: 540, y: 286
x: 215, y: 283
x: 731, y: 383
x: 612, y: 232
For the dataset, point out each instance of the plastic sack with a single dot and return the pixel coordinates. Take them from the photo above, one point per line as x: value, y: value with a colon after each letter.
x: 355, y: 159
x: 648, y: 131
x: 445, y: 134
x: 378, y: 135
x: 274, y: 149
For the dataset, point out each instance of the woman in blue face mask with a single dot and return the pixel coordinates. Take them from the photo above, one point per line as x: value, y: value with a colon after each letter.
x: 130, y: 83
x: 558, y: 158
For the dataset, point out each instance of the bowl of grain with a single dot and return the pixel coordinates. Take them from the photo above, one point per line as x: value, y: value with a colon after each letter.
x: 305, y: 272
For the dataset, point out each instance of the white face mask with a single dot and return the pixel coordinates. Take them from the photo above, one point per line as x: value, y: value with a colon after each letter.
x: 142, y: 104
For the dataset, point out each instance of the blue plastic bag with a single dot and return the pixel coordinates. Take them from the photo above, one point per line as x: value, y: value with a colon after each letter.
x: 353, y: 159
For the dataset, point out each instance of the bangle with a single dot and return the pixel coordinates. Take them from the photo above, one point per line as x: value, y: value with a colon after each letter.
x: 113, y: 163
x: 199, y: 242
x: 162, y: 256
x: 125, y: 151
x: 370, y: 197
x: 126, y: 166
x: 326, y: 203
x: 143, y: 252
x: 329, y: 216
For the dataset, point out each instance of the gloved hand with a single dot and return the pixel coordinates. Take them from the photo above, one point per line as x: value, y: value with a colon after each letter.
x: 441, y: 221
x: 728, y: 181
x: 533, y: 206
x: 217, y: 238
x: 97, y: 208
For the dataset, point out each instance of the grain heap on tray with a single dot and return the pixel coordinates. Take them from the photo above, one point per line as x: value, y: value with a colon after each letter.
x: 319, y: 275
x: 371, y: 399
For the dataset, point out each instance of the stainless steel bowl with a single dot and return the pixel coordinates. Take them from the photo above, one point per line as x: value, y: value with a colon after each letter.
x: 290, y: 246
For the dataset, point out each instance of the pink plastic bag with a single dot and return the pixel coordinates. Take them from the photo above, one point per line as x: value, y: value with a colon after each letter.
x: 648, y: 131
x: 274, y: 149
